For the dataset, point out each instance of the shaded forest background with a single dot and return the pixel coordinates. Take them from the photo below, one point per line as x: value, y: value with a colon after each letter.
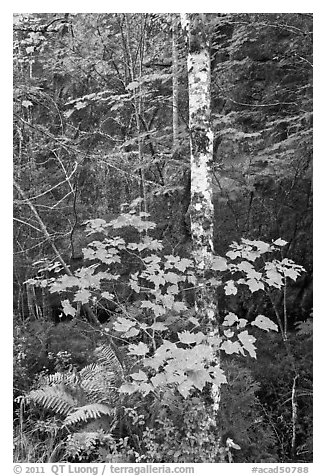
x: 93, y: 132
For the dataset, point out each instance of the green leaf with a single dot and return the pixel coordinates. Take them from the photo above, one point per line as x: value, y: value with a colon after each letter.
x: 159, y: 380
x: 68, y: 309
x: 179, y: 306
x: 218, y: 376
x: 230, y: 319
x: 230, y: 288
x: 27, y: 104
x: 63, y: 283
x: 230, y: 347
x: 138, y: 349
x: 192, y: 279
x: 133, y: 332
x: 262, y: 246
x: 219, y: 263
x: 152, y: 259
x: 82, y: 296
x: 291, y: 273
x: 193, y: 320
x: 140, y: 376
x: 133, y: 85
x: 214, y: 341
x: 156, y: 308
x: 280, y: 242
x: 183, y: 264
x: 107, y: 296
x: 233, y: 254
x: 158, y: 326
x: 98, y: 225
x: 134, y: 283
x: 187, y: 337
x: 174, y: 289
x: 242, y: 323
x: 214, y: 282
x: 157, y: 279
x: 184, y: 388
x: 254, y: 285
x: 199, y: 378
x: 172, y: 277
x: 128, y: 388
x: 228, y: 333
x: 246, y: 267
x: 145, y: 388
x: 264, y: 323
x: 273, y: 277
x: 247, y: 342
x: 123, y: 325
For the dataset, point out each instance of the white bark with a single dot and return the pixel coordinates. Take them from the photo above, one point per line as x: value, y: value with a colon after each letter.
x: 201, y: 207
x: 175, y: 82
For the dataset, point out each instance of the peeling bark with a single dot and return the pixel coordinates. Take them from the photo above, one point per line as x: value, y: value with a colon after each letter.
x: 175, y: 82
x: 201, y: 209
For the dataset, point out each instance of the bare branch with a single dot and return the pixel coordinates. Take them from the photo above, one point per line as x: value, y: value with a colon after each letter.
x: 88, y: 309
x: 54, y: 187
x: 28, y: 224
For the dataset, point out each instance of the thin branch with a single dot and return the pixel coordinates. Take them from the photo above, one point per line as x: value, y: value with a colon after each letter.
x: 64, y: 170
x: 294, y: 416
x: 54, y: 187
x: 304, y: 59
x: 28, y: 224
x: 66, y: 268
x: 43, y: 228
x: 255, y: 105
x: 283, y: 26
x: 31, y: 248
x: 47, y: 134
x: 42, y: 28
x: 61, y: 200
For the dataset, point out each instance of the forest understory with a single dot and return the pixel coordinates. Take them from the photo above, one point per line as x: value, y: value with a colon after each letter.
x: 163, y: 291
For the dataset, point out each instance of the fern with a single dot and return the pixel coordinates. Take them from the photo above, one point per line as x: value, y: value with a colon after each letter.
x: 90, y: 394
x: 88, y: 412
x: 81, y: 441
x: 99, y: 385
x: 108, y: 359
x: 68, y: 378
x: 53, y: 398
x: 87, y: 372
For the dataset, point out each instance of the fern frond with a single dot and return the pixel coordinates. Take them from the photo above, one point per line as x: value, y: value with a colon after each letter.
x: 108, y: 359
x: 88, y: 412
x: 70, y: 378
x: 53, y: 398
x: 89, y: 373
x: 109, y: 395
x: 82, y: 396
x: 98, y: 383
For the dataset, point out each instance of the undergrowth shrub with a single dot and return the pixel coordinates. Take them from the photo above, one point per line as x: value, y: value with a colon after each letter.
x: 177, y: 370
x: 275, y: 373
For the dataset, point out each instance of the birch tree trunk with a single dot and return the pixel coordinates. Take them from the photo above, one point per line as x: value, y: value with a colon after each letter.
x: 175, y: 82
x: 201, y: 210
